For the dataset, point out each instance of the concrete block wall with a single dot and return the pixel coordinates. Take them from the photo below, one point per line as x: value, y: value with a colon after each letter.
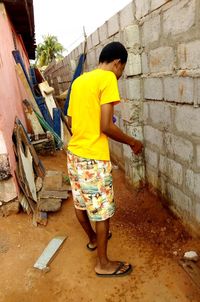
x: 171, y: 113
x: 160, y: 92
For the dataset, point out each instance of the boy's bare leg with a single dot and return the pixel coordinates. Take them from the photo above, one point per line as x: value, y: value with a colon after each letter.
x: 86, y: 225
x: 104, y: 265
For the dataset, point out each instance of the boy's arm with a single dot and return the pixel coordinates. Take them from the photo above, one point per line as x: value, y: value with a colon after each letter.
x: 115, y: 133
x: 69, y: 121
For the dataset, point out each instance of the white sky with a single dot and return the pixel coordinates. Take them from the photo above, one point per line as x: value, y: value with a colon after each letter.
x: 66, y: 18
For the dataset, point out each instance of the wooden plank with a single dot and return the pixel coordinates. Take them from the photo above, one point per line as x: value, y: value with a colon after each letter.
x: 192, y: 270
x: 24, y: 203
x: 38, y: 166
x: 54, y: 194
x: 22, y: 186
x: 27, y: 162
x: 64, y: 119
x: 46, y: 92
x: 57, y: 121
x: 22, y: 77
x: 33, y: 120
x: 44, y: 86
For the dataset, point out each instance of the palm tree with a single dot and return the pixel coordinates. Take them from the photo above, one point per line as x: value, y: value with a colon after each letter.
x: 49, y: 50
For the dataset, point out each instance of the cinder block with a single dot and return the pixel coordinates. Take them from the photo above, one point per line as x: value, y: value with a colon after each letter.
x: 187, y: 120
x: 131, y: 36
x: 179, y: 147
x: 189, y: 55
x: 198, y: 155
x: 145, y: 66
x: 116, y: 37
x: 80, y: 48
x: 152, y: 177
x: 179, y: 18
x: 126, y: 15
x: 172, y: 169
x: 179, y: 90
x: 142, y: 8
x: 133, y: 89
x: 192, y: 182
x: 180, y: 200
x: 91, y: 58
x: 133, y: 66
x: 161, y: 60
x: 89, y: 42
x: 127, y: 152
x: 153, y: 136
x: 136, y: 131
x: 122, y: 88
x: 130, y: 111
x: 145, y: 112
x: 113, y: 25
x: 160, y: 114
x: 197, y: 91
x: 151, y: 30
x: 103, y: 32
x: 197, y: 212
x: 157, y: 3
x: 95, y: 38
x: 138, y: 175
x: 98, y: 51
x: 153, y: 89
x: 117, y: 149
x: 8, y: 190
x: 151, y: 158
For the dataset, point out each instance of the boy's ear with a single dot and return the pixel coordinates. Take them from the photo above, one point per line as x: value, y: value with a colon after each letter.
x: 116, y: 62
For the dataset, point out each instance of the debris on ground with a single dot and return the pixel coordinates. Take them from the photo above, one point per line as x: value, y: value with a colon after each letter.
x: 191, y: 255
x: 46, y: 131
x: 41, y: 191
x: 48, y: 253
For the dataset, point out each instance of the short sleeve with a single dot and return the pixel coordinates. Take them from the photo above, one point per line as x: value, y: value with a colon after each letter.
x: 109, y: 90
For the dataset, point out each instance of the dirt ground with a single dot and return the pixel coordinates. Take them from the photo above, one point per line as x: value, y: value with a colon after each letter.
x: 144, y: 233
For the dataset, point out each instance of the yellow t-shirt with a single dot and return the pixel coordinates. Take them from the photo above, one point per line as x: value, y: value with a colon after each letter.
x: 89, y: 92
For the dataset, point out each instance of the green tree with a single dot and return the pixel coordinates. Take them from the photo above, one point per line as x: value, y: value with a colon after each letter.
x: 49, y: 50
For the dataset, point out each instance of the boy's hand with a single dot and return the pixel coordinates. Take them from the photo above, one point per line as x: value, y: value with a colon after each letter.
x: 136, y: 146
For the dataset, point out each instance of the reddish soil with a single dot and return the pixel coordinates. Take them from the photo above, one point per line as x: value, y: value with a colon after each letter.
x: 145, y: 233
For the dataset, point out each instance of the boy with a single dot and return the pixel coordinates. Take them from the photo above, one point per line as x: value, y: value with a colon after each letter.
x: 90, y: 112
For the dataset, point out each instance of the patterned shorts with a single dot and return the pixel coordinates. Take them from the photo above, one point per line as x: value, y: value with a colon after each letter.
x: 92, y: 188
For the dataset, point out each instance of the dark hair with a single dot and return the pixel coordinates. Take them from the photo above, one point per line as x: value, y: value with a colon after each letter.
x: 113, y: 51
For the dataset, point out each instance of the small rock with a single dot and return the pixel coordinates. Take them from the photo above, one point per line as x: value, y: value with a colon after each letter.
x: 10, y: 208
x: 175, y: 253
x: 41, y: 218
x: 191, y: 255
x: 49, y: 204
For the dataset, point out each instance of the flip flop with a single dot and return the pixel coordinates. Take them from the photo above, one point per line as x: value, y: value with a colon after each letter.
x: 94, y: 247
x: 118, y: 272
